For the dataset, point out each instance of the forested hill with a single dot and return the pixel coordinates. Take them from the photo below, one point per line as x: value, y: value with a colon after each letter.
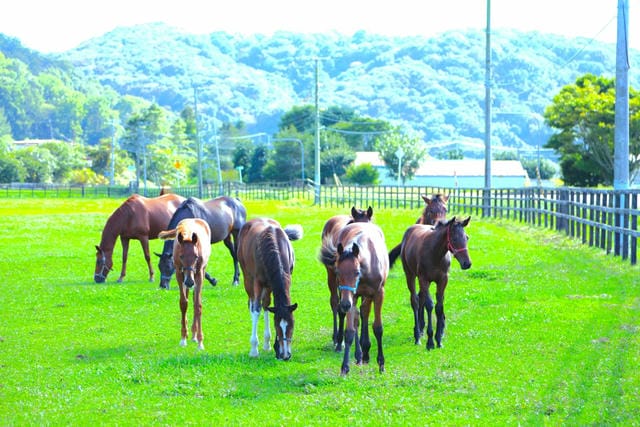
x: 433, y: 85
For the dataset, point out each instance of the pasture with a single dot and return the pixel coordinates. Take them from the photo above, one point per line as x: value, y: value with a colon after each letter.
x: 541, y: 330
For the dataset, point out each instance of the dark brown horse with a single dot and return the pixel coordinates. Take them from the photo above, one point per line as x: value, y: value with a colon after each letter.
x: 330, y: 231
x: 267, y: 259
x: 138, y: 218
x: 361, y: 267
x: 225, y: 216
x: 435, y: 210
x: 191, y: 251
x: 426, y: 254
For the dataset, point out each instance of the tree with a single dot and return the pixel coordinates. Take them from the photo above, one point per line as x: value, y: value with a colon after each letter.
x: 584, y: 115
x: 363, y: 174
x: 414, y: 152
x: 11, y: 170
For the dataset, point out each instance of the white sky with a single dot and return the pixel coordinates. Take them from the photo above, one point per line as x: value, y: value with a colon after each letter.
x: 58, y: 25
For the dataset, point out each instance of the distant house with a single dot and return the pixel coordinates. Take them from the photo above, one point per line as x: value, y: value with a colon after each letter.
x: 32, y: 142
x: 453, y: 173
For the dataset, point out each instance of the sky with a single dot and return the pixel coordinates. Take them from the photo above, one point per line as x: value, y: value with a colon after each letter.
x: 58, y: 25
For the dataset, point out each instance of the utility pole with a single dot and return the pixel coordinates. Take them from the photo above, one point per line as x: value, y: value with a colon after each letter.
x: 621, y: 133
x: 112, y: 181
x: 317, y: 158
x: 486, y: 211
x: 198, y: 144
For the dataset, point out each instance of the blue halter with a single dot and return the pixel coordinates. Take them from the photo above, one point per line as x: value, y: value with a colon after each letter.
x: 351, y: 288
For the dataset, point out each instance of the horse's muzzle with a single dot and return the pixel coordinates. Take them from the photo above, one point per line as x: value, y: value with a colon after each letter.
x: 189, y: 282
x: 344, y: 306
x: 99, y: 278
x: 465, y: 265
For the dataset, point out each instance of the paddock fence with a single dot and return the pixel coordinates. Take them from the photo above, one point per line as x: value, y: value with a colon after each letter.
x: 602, y: 218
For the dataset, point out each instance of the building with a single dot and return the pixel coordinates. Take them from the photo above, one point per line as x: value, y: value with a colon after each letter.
x: 453, y: 173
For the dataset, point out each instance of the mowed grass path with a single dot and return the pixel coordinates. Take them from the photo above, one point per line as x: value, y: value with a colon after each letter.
x: 541, y: 330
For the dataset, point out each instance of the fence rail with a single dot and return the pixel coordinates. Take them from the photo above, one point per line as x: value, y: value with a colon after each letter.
x: 606, y: 219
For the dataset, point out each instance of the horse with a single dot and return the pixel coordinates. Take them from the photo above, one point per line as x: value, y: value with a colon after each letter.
x: 330, y: 231
x: 361, y: 266
x: 191, y: 251
x: 225, y: 216
x: 267, y: 259
x: 426, y: 254
x: 435, y: 210
x: 138, y: 218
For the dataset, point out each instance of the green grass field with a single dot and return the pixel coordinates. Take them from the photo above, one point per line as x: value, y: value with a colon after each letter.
x: 540, y: 331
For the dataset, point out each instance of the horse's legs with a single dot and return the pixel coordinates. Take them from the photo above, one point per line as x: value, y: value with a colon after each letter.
x: 233, y: 251
x: 415, y: 306
x: 184, y: 303
x: 125, y: 252
x: 144, y: 242
x: 442, y: 285
x: 196, y: 327
x: 334, y: 301
x: 426, y: 304
x: 267, y: 331
x: 365, y: 340
x: 351, y: 333
x: 254, y: 310
x: 377, y: 327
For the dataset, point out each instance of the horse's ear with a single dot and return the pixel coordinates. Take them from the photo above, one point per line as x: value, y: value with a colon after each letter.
x: 425, y: 198
x: 292, y: 307
x: 340, y: 249
x: 194, y: 238
x: 354, y: 212
x: 355, y: 250
x: 270, y: 309
x: 180, y: 238
x: 370, y: 212
x: 466, y: 221
x: 98, y: 249
x: 445, y: 197
x: 157, y: 254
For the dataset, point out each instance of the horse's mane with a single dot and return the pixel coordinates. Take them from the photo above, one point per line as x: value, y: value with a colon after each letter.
x: 270, y: 250
x: 190, y: 208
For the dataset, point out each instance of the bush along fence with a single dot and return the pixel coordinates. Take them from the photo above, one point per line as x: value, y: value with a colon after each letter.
x: 607, y: 219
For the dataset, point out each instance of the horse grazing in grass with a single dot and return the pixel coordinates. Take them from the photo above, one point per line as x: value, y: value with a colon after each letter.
x: 138, y: 218
x: 191, y: 251
x: 267, y: 259
x: 361, y: 265
x: 330, y: 231
x: 435, y: 210
x: 225, y: 216
x: 426, y: 254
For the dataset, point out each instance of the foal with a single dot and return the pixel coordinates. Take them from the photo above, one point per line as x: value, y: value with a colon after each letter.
x: 191, y: 251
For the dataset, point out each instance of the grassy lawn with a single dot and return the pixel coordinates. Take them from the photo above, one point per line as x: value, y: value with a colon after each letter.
x: 540, y: 331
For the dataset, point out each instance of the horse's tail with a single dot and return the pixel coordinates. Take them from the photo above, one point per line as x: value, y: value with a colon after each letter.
x: 167, y: 234
x: 294, y: 231
x: 394, y: 254
x: 327, y: 254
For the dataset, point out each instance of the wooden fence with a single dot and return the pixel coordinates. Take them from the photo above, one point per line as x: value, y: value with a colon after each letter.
x: 607, y: 219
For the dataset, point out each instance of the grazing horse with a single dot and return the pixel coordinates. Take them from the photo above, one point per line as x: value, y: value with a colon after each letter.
x: 191, y: 251
x: 266, y: 258
x: 361, y: 267
x: 435, y: 210
x: 330, y: 231
x: 138, y: 218
x: 426, y: 254
x: 225, y: 216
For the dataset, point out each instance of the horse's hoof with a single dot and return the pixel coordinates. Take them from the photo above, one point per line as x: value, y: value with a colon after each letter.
x: 120, y: 279
x: 338, y: 348
x: 382, y: 368
x: 213, y: 281
x: 236, y: 283
x: 200, y: 346
x: 183, y: 342
x: 253, y: 353
x: 344, y: 371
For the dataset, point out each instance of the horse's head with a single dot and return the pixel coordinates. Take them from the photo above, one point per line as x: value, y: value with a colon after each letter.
x: 166, y: 267
x: 435, y: 209
x: 348, y: 275
x: 360, y: 215
x: 283, y: 320
x: 457, y: 241
x: 189, y: 256
x: 104, y: 264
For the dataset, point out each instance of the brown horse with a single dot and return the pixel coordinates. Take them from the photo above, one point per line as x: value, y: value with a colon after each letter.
x: 361, y: 267
x: 138, y: 218
x: 330, y: 231
x: 426, y: 254
x: 191, y: 251
x: 267, y: 259
x: 225, y: 216
x: 435, y: 210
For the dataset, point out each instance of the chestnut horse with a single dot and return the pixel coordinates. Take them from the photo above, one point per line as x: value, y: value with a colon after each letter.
x: 138, y: 218
x: 434, y: 210
x: 267, y: 259
x: 330, y: 231
x: 225, y: 216
x: 361, y: 267
x: 426, y: 254
x: 191, y: 251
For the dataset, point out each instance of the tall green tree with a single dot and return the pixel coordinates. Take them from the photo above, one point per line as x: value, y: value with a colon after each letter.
x: 414, y: 151
x: 583, y: 113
